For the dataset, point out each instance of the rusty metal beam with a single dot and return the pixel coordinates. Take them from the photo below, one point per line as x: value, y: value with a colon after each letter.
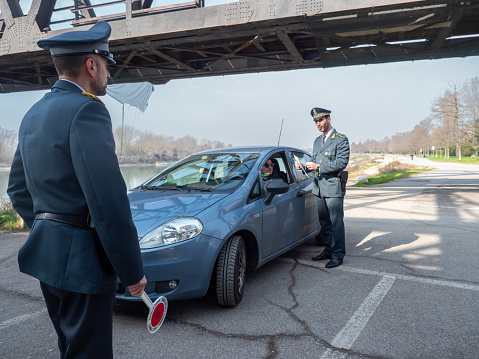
x: 245, y: 36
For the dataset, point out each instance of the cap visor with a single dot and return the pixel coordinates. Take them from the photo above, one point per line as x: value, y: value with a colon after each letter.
x: 110, y: 60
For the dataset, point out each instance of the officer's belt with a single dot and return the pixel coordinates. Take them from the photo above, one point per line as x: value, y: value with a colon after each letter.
x: 77, y: 220
x: 342, y: 175
x: 330, y: 174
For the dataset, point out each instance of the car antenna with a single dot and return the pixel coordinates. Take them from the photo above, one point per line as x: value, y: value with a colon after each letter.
x: 280, y: 130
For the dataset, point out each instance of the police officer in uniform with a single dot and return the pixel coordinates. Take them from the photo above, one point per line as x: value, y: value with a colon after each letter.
x: 330, y: 157
x: 66, y: 184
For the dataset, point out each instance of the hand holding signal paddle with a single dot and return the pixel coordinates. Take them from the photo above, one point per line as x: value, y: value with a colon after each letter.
x: 157, y: 312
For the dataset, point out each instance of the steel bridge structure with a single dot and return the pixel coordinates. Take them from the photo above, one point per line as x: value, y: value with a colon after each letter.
x: 158, y: 43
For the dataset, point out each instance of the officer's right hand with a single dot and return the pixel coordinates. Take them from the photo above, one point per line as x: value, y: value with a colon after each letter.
x: 311, y: 166
x: 136, y: 289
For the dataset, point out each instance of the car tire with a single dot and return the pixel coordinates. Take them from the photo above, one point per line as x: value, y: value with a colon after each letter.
x: 231, y: 272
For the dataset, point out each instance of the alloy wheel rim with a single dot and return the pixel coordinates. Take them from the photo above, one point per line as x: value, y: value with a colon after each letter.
x: 241, y: 270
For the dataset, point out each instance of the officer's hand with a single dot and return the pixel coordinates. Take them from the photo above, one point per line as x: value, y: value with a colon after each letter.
x: 136, y: 289
x: 311, y: 166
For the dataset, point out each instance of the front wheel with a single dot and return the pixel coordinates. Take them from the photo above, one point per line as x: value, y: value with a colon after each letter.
x: 231, y: 272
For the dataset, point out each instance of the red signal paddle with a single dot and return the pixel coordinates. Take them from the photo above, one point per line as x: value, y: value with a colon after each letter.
x: 157, y: 312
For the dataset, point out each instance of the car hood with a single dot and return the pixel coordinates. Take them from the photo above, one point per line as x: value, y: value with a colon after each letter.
x: 150, y: 209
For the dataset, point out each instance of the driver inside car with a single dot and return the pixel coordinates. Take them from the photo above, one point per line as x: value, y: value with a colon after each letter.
x: 269, y: 174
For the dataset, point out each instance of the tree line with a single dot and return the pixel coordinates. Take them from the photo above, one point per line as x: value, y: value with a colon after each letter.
x: 8, y: 145
x: 134, y: 146
x: 451, y: 129
x: 131, y: 146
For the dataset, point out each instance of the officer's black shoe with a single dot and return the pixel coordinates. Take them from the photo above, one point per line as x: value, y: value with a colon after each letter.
x: 334, y: 263
x: 322, y: 257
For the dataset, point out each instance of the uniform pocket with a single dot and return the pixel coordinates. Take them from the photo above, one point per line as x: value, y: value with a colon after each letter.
x: 330, y: 155
x: 99, y: 269
x: 334, y: 186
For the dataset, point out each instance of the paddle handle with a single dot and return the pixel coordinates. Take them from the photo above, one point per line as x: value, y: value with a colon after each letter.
x: 147, y: 300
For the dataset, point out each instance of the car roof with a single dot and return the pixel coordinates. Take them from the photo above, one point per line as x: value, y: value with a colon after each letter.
x: 258, y: 149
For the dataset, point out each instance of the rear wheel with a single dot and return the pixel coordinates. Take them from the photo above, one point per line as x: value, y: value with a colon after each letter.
x: 231, y: 272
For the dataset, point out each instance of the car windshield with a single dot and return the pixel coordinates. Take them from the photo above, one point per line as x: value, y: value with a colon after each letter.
x: 205, y: 172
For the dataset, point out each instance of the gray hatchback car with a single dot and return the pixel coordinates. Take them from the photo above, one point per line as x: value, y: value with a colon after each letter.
x: 210, y: 218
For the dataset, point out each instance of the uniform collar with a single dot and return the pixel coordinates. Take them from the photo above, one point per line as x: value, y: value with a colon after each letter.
x: 67, y: 85
x: 81, y: 88
x: 331, y: 131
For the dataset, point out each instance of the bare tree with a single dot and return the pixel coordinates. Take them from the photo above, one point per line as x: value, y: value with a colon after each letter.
x: 454, y: 107
x: 470, y: 96
x: 8, y: 144
x: 426, y: 140
x: 444, y: 125
x: 453, y: 123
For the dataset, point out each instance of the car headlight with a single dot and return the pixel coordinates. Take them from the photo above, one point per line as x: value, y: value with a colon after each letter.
x: 174, y: 231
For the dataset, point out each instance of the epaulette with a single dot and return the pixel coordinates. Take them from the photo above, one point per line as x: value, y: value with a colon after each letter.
x: 87, y: 94
x: 339, y: 134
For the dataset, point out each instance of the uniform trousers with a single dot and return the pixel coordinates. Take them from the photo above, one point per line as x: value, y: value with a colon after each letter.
x: 331, y: 218
x: 83, y: 322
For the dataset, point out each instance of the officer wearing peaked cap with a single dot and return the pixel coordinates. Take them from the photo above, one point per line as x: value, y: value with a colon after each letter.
x: 93, y: 41
x: 66, y: 184
x: 330, y: 158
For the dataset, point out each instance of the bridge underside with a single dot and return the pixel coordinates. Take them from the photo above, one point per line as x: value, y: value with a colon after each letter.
x: 284, y: 40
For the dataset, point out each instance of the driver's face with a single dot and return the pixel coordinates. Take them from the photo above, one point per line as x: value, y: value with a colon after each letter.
x: 267, y: 168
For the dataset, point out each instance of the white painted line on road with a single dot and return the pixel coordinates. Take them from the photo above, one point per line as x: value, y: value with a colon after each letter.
x: 355, y: 325
x: 20, y: 319
x: 449, y: 207
x: 445, y: 283
x: 350, y: 332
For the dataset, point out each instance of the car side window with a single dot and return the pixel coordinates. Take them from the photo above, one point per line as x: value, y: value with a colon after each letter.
x: 255, y: 191
x: 281, y: 167
x: 301, y: 158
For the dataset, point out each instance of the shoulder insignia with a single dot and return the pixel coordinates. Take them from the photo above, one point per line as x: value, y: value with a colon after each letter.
x: 87, y: 94
x: 340, y: 135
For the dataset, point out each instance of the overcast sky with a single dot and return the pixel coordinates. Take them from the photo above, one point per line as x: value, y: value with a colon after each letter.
x: 372, y: 101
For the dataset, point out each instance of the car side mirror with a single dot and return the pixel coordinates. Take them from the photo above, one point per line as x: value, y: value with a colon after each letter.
x: 274, y: 188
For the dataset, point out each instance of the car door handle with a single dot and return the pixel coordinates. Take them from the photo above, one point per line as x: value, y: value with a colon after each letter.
x: 299, y: 194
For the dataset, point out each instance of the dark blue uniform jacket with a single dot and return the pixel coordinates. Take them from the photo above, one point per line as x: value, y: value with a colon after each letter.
x: 332, y: 157
x: 65, y: 163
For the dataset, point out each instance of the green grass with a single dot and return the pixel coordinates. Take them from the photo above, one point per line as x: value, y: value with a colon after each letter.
x: 360, y: 158
x: 474, y: 160
x: 7, y: 221
x: 385, y: 177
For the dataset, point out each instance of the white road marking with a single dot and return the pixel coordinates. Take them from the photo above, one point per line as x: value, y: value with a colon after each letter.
x: 353, y: 328
x: 355, y: 325
x: 444, y: 283
x: 450, y: 207
x: 20, y: 319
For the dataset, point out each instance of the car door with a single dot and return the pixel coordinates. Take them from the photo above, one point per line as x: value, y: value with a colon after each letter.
x: 282, y: 218
x: 310, y: 221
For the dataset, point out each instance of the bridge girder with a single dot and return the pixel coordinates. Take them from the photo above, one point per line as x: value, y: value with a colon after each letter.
x: 161, y: 44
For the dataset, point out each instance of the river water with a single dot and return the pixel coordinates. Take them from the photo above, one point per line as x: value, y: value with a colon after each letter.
x: 133, y: 176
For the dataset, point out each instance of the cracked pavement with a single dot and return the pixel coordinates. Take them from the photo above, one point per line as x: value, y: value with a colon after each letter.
x: 408, y: 288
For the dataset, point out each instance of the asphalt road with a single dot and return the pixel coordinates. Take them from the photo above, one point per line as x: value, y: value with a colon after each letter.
x: 408, y: 288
